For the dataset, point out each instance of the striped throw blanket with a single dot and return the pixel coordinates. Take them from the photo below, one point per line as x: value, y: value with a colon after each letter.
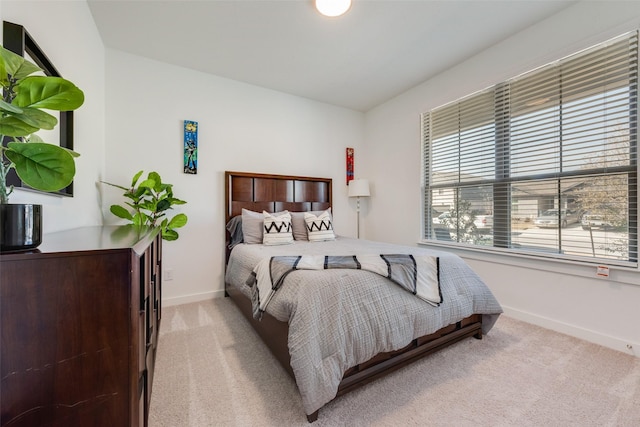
x: 416, y: 274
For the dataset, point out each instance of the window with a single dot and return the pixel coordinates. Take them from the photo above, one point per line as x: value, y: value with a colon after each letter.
x: 545, y: 163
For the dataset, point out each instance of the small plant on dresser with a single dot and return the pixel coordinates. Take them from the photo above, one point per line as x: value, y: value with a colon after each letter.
x: 151, y: 200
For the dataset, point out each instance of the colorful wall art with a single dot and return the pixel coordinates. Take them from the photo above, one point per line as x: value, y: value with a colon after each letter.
x: 190, y: 147
x: 349, y: 164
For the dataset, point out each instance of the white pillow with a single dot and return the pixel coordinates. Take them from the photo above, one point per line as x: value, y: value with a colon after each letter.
x: 277, y: 228
x: 319, y: 228
x: 253, y: 225
x: 300, y: 226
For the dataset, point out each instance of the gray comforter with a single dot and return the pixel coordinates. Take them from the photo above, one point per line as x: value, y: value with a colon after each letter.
x: 340, y: 318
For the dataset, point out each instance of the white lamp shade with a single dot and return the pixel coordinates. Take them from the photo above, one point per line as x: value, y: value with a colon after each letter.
x: 359, y: 188
x: 333, y: 7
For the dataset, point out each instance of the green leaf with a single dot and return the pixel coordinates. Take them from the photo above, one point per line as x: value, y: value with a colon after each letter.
x: 34, y: 138
x: 170, y: 235
x: 158, y: 181
x: 120, y: 212
x: 36, y: 118
x: 15, y: 65
x: 52, y: 93
x: 178, y: 221
x: 148, y: 205
x: 42, y: 166
x: 138, y: 192
x: 73, y: 153
x: 4, y: 78
x: 128, y: 195
x: 138, y: 218
x: 163, y: 205
x: 135, y: 179
x: 9, y: 108
x: 25, y: 69
x: 175, y: 201
x: 147, y: 183
x: 11, y: 126
x: 147, y: 218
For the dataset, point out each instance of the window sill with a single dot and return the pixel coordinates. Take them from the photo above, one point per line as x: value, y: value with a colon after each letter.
x: 620, y: 274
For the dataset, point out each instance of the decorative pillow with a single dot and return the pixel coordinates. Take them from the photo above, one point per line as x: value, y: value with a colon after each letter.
x: 319, y: 228
x: 252, y: 226
x: 252, y: 223
x: 299, y: 225
x: 277, y: 229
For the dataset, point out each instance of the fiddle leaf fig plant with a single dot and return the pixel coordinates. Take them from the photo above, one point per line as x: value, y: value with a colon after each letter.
x: 150, y: 200
x: 45, y: 167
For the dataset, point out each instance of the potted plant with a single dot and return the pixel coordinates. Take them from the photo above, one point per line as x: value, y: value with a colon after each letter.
x: 150, y: 201
x: 42, y: 166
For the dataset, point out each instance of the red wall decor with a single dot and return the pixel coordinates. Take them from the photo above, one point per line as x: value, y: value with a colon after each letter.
x: 349, y: 164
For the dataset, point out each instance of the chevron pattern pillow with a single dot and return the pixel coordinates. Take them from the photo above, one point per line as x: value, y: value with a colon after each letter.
x: 300, y: 226
x: 277, y: 228
x: 319, y: 228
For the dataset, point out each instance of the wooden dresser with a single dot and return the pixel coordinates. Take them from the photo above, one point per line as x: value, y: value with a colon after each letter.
x: 79, y: 321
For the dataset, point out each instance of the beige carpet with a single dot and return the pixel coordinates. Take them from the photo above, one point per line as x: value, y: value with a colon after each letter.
x: 213, y: 370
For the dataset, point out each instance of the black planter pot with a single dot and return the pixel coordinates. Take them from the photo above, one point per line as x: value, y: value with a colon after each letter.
x: 20, y: 227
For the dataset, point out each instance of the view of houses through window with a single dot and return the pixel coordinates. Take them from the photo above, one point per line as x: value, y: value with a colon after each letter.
x: 544, y: 163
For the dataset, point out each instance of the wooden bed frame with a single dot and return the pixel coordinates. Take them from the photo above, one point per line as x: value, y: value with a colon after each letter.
x: 275, y: 193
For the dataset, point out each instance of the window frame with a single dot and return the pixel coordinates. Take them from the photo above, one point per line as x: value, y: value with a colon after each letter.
x: 502, y: 180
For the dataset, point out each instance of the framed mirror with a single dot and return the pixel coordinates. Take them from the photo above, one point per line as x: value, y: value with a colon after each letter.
x: 16, y: 39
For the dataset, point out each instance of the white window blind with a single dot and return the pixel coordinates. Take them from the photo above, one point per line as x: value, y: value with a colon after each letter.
x: 544, y: 163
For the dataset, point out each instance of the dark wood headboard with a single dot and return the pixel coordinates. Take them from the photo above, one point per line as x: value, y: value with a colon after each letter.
x: 274, y: 193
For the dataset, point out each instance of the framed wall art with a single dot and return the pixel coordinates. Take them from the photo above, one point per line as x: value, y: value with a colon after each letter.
x: 349, y: 165
x: 190, y: 147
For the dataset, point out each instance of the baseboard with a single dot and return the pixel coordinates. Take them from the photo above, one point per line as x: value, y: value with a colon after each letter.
x: 186, y: 299
x: 627, y: 347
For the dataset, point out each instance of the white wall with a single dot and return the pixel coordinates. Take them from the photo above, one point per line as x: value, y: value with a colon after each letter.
x: 241, y: 128
x: 568, y: 298
x: 67, y: 34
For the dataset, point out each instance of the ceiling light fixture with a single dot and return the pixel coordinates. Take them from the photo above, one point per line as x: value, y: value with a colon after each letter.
x: 333, y: 7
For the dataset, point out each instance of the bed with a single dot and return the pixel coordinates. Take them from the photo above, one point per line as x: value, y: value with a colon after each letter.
x: 334, y: 330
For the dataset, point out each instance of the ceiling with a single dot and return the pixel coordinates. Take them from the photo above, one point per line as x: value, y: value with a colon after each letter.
x: 378, y: 50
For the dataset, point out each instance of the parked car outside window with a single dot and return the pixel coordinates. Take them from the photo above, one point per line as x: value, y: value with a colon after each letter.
x: 549, y: 218
x: 594, y: 220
